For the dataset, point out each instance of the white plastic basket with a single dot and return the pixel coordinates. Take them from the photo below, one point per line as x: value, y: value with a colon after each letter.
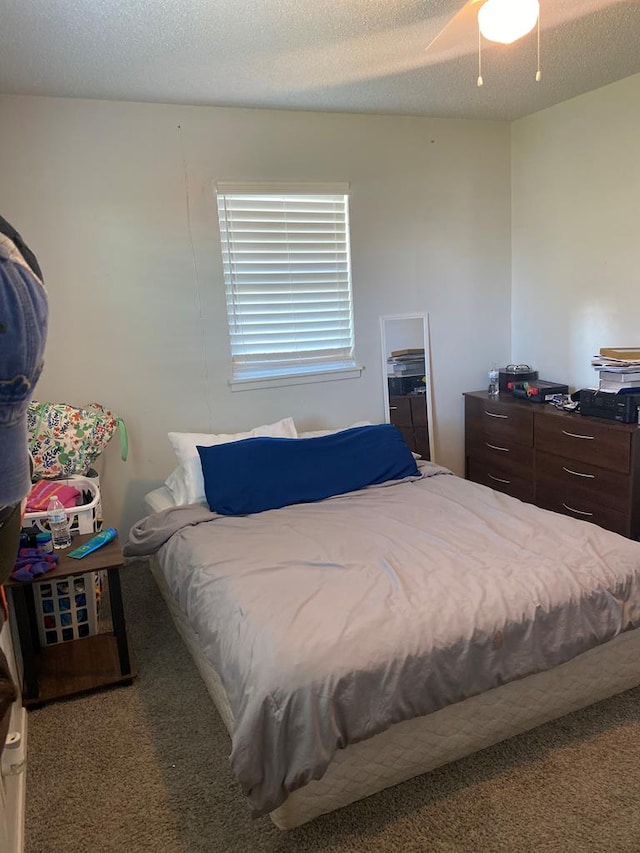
x: 67, y: 608
x: 82, y: 519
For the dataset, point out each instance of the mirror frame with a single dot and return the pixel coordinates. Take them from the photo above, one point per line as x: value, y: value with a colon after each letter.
x: 427, y: 358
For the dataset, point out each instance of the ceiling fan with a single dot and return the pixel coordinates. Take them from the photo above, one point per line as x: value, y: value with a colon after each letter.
x: 502, y: 21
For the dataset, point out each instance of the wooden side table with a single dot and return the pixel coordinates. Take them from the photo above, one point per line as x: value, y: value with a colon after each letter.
x: 76, y: 666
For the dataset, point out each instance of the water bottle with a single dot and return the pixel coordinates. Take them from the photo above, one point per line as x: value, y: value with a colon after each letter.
x: 58, y: 524
x: 494, y: 382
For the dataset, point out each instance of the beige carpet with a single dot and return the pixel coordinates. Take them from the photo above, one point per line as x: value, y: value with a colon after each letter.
x: 144, y: 768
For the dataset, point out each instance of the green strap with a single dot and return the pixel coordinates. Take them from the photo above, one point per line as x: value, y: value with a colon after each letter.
x: 124, y: 439
x: 41, y: 408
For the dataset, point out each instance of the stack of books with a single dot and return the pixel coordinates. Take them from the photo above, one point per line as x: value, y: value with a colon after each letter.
x: 619, y: 369
x: 406, y: 362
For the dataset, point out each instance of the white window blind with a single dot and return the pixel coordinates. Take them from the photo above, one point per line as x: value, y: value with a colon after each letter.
x: 287, y: 271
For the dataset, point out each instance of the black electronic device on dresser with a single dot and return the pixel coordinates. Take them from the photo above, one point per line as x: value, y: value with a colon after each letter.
x: 614, y: 407
x: 585, y: 467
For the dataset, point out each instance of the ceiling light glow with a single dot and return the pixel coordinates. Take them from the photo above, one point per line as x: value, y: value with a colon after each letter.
x: 506, y: 21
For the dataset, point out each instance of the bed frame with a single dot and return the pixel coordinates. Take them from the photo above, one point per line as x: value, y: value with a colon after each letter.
x: 416, y: 746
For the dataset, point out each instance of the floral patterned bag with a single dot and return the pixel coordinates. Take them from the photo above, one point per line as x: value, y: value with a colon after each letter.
x: 66, y: 440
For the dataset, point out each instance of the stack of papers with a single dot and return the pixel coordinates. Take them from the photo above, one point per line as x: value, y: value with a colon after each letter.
x: 406, y: 362
x: 619, y: 369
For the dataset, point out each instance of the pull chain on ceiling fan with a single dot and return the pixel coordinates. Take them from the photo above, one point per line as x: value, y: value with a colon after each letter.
x: 502, y: 21
x: 506, y: 21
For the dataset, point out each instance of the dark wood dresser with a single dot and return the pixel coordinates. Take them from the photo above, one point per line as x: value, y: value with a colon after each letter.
x: 408, y: 412
x: 588, y: 468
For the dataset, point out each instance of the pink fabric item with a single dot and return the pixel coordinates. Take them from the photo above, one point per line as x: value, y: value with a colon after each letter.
x: 42, y: 492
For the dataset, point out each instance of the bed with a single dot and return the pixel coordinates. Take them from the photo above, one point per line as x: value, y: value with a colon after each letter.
x: 355, y: 641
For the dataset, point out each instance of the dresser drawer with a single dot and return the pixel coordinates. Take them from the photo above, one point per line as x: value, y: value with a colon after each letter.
x: 408, y: 410
x: 506, y: 455
x: 502, y: 422
x: 584, y: 440
x: 500, y: 480
x: 419, y: 410
x: 549, y: 496
x: 400, y: 411
x: 581, y: 481
x: 407, y: 435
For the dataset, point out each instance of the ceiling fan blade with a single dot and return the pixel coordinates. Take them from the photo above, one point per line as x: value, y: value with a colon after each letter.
x: 460, y: 34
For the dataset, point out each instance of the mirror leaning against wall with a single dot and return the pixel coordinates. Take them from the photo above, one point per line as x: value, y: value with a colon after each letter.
x: 406, y: 372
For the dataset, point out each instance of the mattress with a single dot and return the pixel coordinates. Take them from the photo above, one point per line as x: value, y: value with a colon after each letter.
x: 330, y: 622
x: 416, y: 746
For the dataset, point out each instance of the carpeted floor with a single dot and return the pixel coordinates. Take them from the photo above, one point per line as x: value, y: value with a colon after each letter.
x: 144, y: 768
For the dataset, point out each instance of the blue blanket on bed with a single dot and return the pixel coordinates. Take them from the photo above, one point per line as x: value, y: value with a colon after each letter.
x: 257, y: 474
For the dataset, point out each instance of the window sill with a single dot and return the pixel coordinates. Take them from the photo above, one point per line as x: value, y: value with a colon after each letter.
x: 296, y: 379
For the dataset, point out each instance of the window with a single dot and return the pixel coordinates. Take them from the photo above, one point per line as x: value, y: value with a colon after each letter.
x: 287, y: 271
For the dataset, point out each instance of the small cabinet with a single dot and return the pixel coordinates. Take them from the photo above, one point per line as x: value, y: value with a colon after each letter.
x: 409, y: 413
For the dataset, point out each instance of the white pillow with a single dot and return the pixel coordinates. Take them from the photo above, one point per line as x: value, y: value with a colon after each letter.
x: 186, y: 482
x: 318, y: 432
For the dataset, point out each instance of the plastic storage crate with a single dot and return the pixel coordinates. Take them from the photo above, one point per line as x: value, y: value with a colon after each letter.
x: 86, y: 518
x: 67, y: 608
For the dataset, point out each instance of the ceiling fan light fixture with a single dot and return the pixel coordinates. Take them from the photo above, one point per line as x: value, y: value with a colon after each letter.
x: 506, y: 21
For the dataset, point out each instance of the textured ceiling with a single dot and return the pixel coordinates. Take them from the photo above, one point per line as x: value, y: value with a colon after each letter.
x: 341, y: 55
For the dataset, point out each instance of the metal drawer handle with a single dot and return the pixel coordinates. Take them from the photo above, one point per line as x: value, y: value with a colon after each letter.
x: 495, y: 447
x: 493, y: 415
x: 393, y: 408
x: 499, y: 480
x: 578, y: 474
x: 578, y: 511
x: 575, y: 435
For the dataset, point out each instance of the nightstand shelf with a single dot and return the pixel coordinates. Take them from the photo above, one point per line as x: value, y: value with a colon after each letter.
x: 76, y: 666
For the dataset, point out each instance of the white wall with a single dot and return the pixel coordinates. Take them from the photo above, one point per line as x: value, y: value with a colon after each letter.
x: 116, y: 200
x: 575, y: 227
